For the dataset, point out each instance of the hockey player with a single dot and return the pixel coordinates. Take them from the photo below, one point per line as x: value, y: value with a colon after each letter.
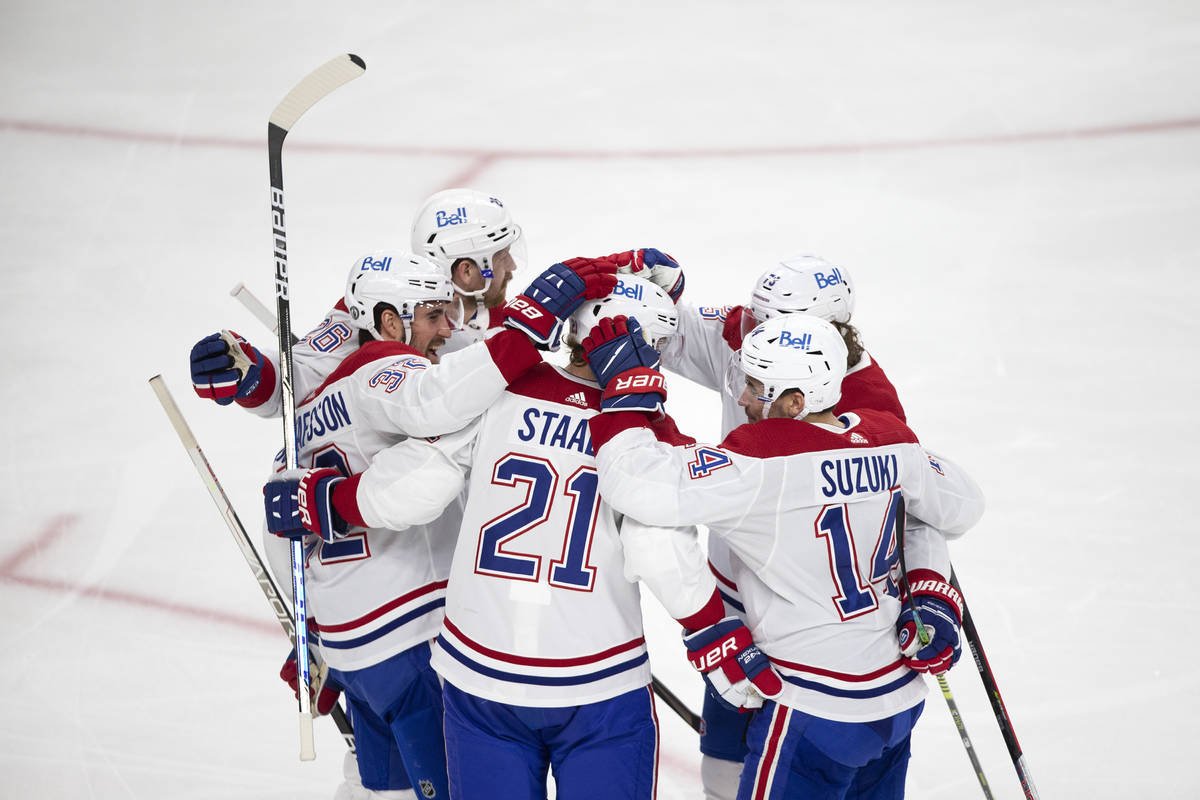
x: 542, y: 651
x: 473, y: 235
x: 707, y: 352
x: 468, y: 232
x: 841, y: 696
x: 377, y: 595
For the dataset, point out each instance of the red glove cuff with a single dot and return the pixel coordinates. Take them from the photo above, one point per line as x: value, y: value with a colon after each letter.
x: 638, y: 380
x: 929, y: 583
x: 525, y: 312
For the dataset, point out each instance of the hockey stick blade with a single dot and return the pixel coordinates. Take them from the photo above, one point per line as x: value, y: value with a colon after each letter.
x: 318, y: 83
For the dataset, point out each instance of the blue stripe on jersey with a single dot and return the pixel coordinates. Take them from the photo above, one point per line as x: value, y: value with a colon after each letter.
x: 542, y: 680
x: 346, y: 644
x: 729, y: 601
x: 852, y: 693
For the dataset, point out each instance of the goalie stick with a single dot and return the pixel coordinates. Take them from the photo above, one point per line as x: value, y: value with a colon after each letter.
x: 282, y: 614
x: 923, y: 636
x: 256, y: 307
x: 318, y: 83
x: 993, y: 692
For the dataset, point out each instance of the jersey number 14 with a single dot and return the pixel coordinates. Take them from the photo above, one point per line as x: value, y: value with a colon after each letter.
x: 855, y: 596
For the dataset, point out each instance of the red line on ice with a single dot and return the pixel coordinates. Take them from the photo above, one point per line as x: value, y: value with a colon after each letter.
x: 485, y: 157
x: 10, y: 571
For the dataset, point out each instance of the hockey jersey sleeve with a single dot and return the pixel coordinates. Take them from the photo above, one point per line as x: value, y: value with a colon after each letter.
x: 409, y: 395
x: 648, y: 480
x: 671, y: 564
x: 925, y: 548
x: 412, y: 482
x: 940, y: 493
x: 699, y: 351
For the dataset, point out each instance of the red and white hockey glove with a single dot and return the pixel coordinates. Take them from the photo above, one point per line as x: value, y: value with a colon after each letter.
x: 654, y: 265
x: 940, y: 607
x: 300, y: 501
x: 738, y: 675
x: 625, y: 365
x: 225, y: 367
x: 324, y: 694
x: 554, y: 296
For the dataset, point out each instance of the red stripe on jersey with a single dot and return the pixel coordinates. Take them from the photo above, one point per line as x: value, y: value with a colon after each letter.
x: 544, y: 382
x: 772, y: 438
x: 717, y: 574
x: 391, y: 605
x: 340, y: 305
x: 767, y: 766
x: 541, y: 662
x: 657, y: 742
x: 369, y: 352
x: 841, y: 676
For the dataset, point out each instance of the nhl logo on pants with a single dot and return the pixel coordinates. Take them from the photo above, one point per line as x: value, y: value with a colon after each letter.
x: 427, y: 789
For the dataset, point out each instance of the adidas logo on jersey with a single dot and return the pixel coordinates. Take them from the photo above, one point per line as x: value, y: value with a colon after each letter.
x: 578, y: 399
x: 857, y: 438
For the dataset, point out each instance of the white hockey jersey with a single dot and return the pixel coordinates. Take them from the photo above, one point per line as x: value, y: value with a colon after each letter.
x: 324, y: 348
x: 538, y: 611
x: 706, y: 350
x: 377, y: 592
x: 809, y: 512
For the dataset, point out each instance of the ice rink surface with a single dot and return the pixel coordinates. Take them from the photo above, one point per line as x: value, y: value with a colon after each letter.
x: 1014, y: 186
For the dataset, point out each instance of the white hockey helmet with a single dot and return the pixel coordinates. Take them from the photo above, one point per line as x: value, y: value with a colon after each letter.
x: 396, y: 277
x: 796, y: 351
x: 803, y: 284
x: 464, y: 223
x: 636, y: 298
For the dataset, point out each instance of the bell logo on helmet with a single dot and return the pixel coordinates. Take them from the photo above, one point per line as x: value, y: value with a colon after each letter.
x: 633, y: 292
x: 801, y: 342
x: 497, y: 202
x: 459, y: 216
x: 371, y: 265
x: 832, y: 279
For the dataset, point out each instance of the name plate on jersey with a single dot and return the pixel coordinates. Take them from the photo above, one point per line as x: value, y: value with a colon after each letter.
x: 852, y: 477
x: 542, y: 427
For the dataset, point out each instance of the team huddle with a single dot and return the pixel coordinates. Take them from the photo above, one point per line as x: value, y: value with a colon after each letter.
x: 478, y: 522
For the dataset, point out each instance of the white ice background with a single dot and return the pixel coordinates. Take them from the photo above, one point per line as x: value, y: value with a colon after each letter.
x: 1015, y: 187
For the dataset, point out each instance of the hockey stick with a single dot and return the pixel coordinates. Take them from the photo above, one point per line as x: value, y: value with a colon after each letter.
x: 255, y: 306
x: 924, y: 638
x: 993, y: 691
x: 282, y: 615
x: 320, y: 82
x: 675, y: 704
